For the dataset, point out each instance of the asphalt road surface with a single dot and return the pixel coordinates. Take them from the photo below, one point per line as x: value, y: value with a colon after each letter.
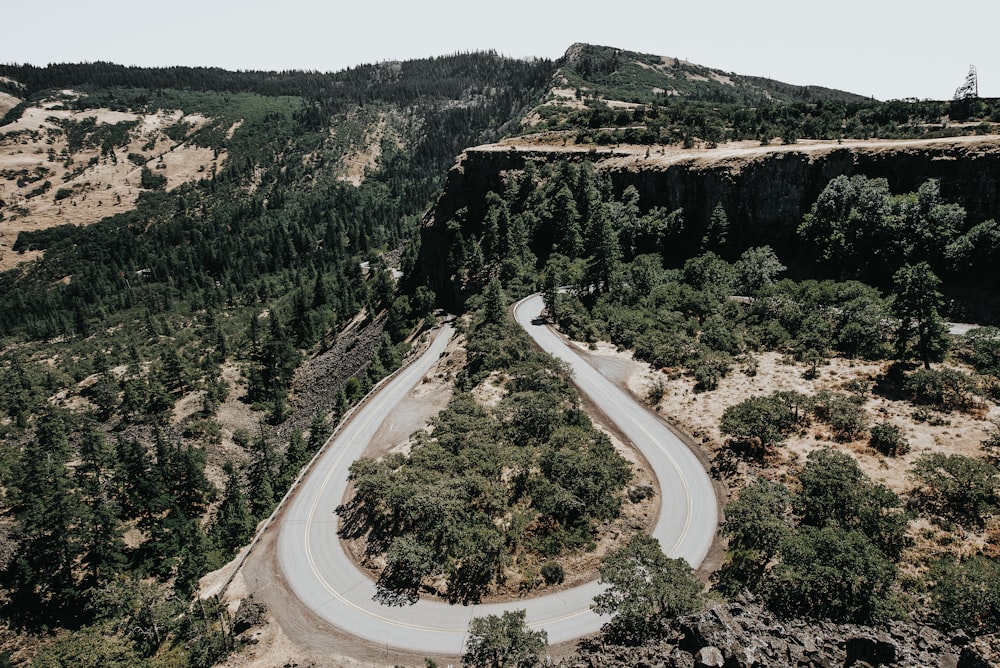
x: 326, y: 580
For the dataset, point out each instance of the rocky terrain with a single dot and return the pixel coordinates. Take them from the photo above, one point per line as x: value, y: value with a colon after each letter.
x: 744, y: 634
x: 765, y: 189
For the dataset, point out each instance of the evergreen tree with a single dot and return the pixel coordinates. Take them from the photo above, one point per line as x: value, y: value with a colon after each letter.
x: 262, y: 477
x: 47, y: 510
x: 565, y: 221
x: 100, y: 527
x: 606, y: 261
x: 319, y: 431
x: 717, y: 230
x: 494, y: 302
x: 916, y: 301
x: 142, y: 491
x: 233, y: 521
x: 295, y: 457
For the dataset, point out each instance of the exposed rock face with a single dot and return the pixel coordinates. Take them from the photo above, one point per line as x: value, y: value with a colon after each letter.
x: 251, y: 613
x: 746, y: 635
x: 764, y: 190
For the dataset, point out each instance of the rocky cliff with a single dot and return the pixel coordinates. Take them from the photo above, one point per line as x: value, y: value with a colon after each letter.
x: 765, y: 190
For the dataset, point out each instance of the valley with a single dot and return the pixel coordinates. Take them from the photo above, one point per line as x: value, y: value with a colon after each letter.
x: 739, y: 377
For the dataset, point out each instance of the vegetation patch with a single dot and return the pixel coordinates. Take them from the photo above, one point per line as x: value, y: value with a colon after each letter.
x: 490, y: 497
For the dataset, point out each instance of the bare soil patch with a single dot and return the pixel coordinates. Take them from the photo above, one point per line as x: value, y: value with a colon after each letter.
x: 699, y: 414
x: 7, y: 102
x: 85, y: 185
x: 734, y: 154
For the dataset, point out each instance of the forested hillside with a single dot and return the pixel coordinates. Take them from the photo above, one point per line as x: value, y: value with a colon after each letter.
x: 161, y: 335
x: 607, y: 96
x: 855, y: 436
x: 130, y: 343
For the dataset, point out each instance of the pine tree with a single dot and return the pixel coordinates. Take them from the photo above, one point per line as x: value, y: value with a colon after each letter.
x: 295, y: 457
x: 142, y: 490
x: 48, y: 516
x: 261, y: 474
x: 319, y: 431
x: 100, y: 526
x: 494, y: 302
x: 566, y: 224
x: 717, y: 230
x: 233, y: 521
x: 606, y: 262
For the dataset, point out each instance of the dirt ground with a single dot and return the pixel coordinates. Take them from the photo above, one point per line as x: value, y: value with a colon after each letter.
x: 699, y: 414
x: 90, y: 186
x: 735, y: 153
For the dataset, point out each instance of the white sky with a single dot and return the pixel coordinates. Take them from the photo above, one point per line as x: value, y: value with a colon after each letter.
x: 871, y: 47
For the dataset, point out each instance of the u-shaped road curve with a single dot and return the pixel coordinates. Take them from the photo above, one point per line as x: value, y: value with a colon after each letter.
x: 327, y: 581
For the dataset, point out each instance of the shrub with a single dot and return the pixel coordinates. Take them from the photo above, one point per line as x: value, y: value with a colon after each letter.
x: 151, y: 181
x: 842, y: 412
x: 956, y: 487
x: 708, y: 371
x: 764, y: 420
x: 946, y: 389
x: 553, y: 573
x: 888, y: 439
x: 966, y: 594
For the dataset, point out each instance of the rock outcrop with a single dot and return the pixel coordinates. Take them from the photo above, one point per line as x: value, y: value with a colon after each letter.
x: 765, y: 190
x: 747, y: 635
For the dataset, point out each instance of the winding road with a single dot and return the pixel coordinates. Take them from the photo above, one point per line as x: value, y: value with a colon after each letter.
x: 327, y: 581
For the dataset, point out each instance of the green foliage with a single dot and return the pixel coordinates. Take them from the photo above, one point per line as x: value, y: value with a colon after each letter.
x: 47, y: 509
x: 495, y: 303
x: 553, y: 573
x: 528, y: 478
x: 645, y: 589
x: 945, y: 389
x: 844, y: 413
x: 830, y: 573
x: 966, y: 594
x: 233, y: 522
x: 89, y: 647
x: 827, y: 551
x: 834, y: 491
x: 496, y: 641
x: 151, y: 181
x: 763, y: 422
x: 956, y: 487
x: 916, y: 303
x: 888, y: 439
x: 756, y: 268
x: 756, y: 523
x: 981, y: 349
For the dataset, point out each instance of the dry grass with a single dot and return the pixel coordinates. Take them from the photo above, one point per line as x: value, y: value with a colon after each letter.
x: 35, y: 149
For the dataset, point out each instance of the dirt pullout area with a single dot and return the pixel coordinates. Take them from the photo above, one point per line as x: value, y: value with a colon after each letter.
x: 636, y: 157
x: 46, y: 182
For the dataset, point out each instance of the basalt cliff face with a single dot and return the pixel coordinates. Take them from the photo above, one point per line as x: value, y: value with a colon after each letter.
x: 765, y: 190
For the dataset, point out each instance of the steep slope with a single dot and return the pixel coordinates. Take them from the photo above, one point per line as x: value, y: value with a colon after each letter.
x: 764, y: 190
